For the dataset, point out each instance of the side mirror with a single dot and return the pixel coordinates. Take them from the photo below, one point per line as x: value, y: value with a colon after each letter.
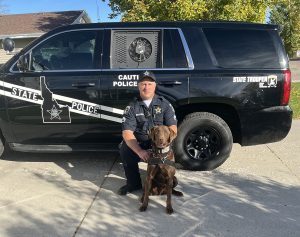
x: 23, y: 63
x: 8, y: 44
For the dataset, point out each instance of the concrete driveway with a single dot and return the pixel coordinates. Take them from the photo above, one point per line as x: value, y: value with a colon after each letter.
x: 295, y: 69
x: 255, y: 193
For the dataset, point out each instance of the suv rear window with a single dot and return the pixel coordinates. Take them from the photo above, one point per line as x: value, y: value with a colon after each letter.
x: 243, y: 48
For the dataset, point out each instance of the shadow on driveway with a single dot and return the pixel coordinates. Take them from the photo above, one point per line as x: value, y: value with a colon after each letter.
x: 214, y: 203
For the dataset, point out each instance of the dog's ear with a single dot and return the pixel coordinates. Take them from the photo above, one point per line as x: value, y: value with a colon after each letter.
x: 172, y: 135
x: 151, y: 133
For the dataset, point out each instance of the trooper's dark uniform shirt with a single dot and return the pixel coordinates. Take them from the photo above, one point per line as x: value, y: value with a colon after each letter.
x: 140, y: 119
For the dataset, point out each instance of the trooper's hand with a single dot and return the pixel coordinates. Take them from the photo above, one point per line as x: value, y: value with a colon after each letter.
x: 144, y: 155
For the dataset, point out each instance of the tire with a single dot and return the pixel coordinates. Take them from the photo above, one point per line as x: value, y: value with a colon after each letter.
x: 2, y: 146
x: 204, y: 142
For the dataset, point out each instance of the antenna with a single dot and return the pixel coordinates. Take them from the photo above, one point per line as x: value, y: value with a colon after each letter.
x: 98, y: 16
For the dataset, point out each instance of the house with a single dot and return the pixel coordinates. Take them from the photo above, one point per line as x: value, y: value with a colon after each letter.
x: 24, y: 28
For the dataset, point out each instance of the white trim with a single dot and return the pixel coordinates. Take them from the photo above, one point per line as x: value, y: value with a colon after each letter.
x: 112, y: 110
x: 64, y: 99
x: 107, y: 117
x: 10, y: 86
x: 6, y: 93
x: 101, y: 107
x: 22, y: 36
x: 83, y: 15
x: 85, y: 113
x: 144, y: 28
x: 186, y: 50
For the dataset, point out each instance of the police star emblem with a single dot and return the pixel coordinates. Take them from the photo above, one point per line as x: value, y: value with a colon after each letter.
x: 54, y: 113
x: 157, y: 110
x: 146, y: 73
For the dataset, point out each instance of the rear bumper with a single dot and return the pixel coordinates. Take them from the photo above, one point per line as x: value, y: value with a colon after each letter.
x: 266, y: 125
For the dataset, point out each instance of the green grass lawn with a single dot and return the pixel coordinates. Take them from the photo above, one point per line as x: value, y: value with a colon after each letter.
x: 295, y: 100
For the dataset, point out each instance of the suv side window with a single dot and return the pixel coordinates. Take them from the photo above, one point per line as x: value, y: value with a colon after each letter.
x: 173, y: 53
x: 147, y: 49
x: 243, y: 48
x: 69, y: 50
x: 199, y: 49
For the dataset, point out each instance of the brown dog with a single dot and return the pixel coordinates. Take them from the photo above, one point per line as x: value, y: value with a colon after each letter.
x: 161, y: 168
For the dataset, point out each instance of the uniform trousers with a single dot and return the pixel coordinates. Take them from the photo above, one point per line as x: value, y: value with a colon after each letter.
x: 130, y: 163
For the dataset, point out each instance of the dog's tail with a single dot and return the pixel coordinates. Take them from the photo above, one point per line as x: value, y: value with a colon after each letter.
x: 177, y: 193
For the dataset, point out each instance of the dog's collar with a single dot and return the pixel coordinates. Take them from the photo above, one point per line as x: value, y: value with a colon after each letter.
x: 160, y: 156
x: 161, y: 150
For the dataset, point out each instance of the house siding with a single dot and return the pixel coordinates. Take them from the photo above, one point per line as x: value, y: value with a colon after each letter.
x: 33, y: 25
x: 19, y: 44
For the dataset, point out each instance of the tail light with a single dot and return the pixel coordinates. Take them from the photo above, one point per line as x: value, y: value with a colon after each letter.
x: 286, y: 87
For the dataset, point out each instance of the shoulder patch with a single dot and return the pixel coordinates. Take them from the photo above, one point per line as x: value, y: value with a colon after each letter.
x: 126, y: 110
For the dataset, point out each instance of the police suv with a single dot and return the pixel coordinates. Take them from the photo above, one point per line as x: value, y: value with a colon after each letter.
x: 228, y: 82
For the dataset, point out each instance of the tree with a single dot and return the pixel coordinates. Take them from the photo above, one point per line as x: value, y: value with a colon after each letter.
x: 287, y: 15
x: 157, y: 10
x: 170, y: 10
x: 238, y: 10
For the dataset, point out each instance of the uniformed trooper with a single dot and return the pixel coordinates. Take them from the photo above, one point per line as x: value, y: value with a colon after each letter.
x: 139, y: 117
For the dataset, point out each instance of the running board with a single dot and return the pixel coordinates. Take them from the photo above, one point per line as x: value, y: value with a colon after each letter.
x: 63, y: 148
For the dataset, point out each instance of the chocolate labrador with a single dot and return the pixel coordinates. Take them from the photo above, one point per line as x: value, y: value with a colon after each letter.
x: 160, y: 177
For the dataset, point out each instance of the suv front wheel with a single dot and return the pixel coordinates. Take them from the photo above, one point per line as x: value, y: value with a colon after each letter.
x: 204, y: 141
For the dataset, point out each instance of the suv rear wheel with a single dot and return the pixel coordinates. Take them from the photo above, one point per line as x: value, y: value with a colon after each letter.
x: 204, y: 141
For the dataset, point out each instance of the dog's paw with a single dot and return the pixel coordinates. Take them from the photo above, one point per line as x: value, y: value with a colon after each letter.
x: 169, y: 210
x: 143, y: 208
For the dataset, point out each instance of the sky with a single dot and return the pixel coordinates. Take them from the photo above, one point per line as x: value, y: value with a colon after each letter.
x: 97, y: 10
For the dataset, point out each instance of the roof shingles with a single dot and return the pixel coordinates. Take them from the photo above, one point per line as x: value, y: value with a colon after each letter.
x: 36, y: 22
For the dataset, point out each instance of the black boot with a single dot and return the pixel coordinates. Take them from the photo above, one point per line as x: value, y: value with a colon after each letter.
x: 126, y: 189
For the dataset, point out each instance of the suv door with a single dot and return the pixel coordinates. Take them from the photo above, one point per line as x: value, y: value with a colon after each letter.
x: 55, y: 102
x: 129, y: 52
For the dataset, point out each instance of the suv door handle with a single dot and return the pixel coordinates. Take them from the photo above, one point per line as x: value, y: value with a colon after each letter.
x: 170, y: 83
x: 83, y: 84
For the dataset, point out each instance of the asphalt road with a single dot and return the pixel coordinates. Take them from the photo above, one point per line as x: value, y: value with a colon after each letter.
x: 255, y: 193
